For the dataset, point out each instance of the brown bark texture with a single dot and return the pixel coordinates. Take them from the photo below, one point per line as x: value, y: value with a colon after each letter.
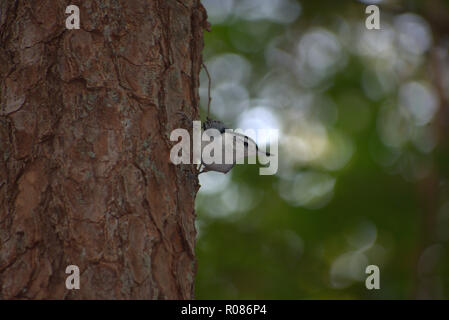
x: 85, y: 121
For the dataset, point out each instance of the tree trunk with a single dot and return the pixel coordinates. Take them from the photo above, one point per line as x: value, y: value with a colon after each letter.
x: 85, y: 121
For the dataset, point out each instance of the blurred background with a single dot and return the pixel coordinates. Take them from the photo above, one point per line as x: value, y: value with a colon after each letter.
x: 363, y: 151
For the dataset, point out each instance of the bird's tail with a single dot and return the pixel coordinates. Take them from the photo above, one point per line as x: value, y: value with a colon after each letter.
x: 265, y: 153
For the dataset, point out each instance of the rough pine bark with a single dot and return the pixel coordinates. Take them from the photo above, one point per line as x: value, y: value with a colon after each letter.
x: 85, y: 120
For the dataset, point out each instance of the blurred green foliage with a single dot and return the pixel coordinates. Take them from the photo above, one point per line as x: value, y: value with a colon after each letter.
x: 375, y: 192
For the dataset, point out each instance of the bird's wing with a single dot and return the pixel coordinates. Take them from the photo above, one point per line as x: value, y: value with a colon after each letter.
x: 248, y: 142
x: 240, y: 145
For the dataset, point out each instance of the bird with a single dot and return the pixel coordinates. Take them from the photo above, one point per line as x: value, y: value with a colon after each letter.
x: 228, y: 139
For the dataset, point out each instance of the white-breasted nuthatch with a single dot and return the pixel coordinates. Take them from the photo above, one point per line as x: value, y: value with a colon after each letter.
x: 228, y: 140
